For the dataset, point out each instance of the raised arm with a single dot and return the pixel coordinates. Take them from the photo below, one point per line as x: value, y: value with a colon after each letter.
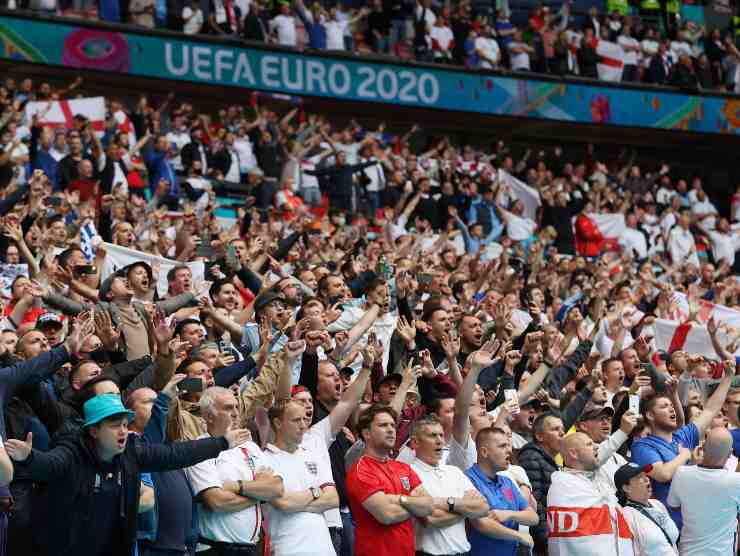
x: 352, y: 395
x: 717, y: 399
x: 362, y: 326
x: 461, y: 421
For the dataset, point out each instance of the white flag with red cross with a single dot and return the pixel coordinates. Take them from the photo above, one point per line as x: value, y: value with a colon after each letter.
x: 611, y: 60
x: 61, y: 113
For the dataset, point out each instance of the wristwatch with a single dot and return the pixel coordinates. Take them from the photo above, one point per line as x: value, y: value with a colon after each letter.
x: 315, y: 492
x: 451, y: 505
x: 402, y: 500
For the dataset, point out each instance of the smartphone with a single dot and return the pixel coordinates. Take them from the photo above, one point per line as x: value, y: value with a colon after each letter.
x: 205, y: 250
x: 512, y: 395
x: 634, y: 404
x: 425, y: 279
x: 53, y: 201
x: 190, y: 385
x: 160, y: 313
x: 334, y: 300
x: 644, y: 369
x: 85, y: 269
x: 231, y: 259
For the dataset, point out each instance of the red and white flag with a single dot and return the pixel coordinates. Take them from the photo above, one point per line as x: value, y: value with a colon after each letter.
x: 611, y: 226
x: 582, y: 521
x: 61, y: 113
x: 724, y: 316
x: 124, y: 125
x: 596, y: 233
x: 692, y: 338
x: 529, y: 196
x: 611, y: 60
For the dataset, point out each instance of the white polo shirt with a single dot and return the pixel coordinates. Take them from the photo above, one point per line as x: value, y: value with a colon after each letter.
x: 286, y: 29
x: 317, y: 441
x: 453, y: 454
x: 298, y: 533
x: 442, y: 481
x: 238, y: 463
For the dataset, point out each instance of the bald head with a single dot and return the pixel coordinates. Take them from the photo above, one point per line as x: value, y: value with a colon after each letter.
x: 579, y: 452
x: 717, y: 447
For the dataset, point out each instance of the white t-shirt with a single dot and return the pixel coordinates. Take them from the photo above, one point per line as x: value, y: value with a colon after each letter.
x: 429, y: 16
x: 724, y: 246
x: 488, y: 47
x: 682, y: 247
x: 182, y: 138
x: 647, y: 538
x: 317, y: 441
x: 242, y: 526
x: 705, y: 207
x: 383, y: 328
x: 442, y: 481
x: 634, y: 240
x: 247, y: 160
x: 443, y: 36
x: 709, y: 500
x: 286, y: 32
x: 193, y: 25
x: 335, y: 34
x: 376, y: 176
x: 298, y: 533
x: 630, y: 56
x: 519, y: 60
x: 680, y: 48
x: 649, y: 49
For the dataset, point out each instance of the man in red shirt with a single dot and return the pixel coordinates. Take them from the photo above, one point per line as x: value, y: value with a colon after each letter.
x: 384, y: 494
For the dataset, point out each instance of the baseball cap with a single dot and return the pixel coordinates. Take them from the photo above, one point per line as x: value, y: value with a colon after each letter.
x: 390, y: 378
x: 265, y: 298
x: 297, y: 389
x: 629, y: 471
x: 103, y: 406
x: 108, y: 282
x: 48, y: 318
x: 533, y: 403
x: 146, y: 266
x: 596, y: 412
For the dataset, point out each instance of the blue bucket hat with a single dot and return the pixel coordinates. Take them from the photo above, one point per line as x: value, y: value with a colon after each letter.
x: 103, y: 406
x: 568, y: 305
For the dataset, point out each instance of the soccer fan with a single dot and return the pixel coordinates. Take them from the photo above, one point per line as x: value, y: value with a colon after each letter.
x: 667, y: 448
x: 498, y: 532
x: 443, y: 532
x: 385, y: 495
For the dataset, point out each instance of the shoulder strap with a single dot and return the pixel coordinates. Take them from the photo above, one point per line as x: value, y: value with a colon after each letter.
x: 640, y: 508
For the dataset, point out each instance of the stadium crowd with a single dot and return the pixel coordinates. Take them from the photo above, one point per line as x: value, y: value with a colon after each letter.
x: 620, y: 42
x: 392, y: 347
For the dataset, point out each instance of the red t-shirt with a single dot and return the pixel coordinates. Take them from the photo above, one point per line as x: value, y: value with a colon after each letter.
x: 31, y: 314
x: 367, y: 477
x: 85, y: 187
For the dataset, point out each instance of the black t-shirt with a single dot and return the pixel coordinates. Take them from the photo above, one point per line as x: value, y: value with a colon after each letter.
x: 378, y: 21
x: 174, y: 510
x: 107, y: 493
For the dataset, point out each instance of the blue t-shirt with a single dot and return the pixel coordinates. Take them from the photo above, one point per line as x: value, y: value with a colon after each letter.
x: 501, y: 494
x: 652, y: 449
x: 735, y: 442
